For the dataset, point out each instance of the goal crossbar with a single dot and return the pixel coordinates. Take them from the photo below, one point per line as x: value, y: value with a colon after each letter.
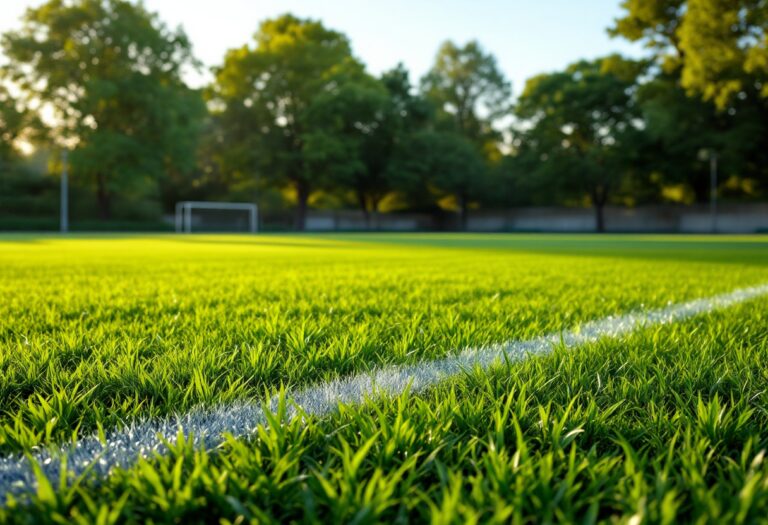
x: 184, y: 213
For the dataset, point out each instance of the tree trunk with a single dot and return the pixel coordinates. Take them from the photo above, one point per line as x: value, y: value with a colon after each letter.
x: 103, y: 198
x: 463, y: 205
x: 363, y: 202
x: 701, y: 187
x: 600, y: 217
x: 599, y: 199
x: 375, y: 200
x: 302, y: 196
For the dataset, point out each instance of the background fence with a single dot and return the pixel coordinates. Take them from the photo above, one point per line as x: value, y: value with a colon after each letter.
x: 731, y: 218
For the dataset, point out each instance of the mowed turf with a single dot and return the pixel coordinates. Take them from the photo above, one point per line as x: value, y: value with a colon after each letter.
x: 666, y: 424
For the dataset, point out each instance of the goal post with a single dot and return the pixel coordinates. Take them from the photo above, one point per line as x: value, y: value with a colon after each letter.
x: 185, y: 214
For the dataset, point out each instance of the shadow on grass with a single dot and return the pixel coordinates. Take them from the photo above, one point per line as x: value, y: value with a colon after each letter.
x: 745, y: 250
x: 742, y: 250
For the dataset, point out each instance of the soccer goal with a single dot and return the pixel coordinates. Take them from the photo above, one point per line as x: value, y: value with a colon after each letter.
x: 201, y: 216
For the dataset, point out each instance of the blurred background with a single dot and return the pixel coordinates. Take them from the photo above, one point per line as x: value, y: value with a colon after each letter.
x: 607, y: 115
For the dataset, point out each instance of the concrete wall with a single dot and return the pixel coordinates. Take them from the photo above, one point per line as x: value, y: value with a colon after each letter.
x: 731, y: 218
x: 353, y: 220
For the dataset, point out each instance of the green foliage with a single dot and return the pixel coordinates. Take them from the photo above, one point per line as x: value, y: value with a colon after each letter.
x: 350, y: 137
x: 717, y: 46
x: 726, y: 48
x: 295, y: 118
x: 265, y: 95
x: 662, y: 426
x: 654, y: 21
x: 16, y: 122
x: 469, y: 95
x: 714, y: 50
x: 679, y: 127
x: 362, y: 123
x: 26, y: 190
x: 111, y: 71
x: 445, y: 163
x: 582, y: 125
x: 24, y: 193
x: 468, y: 90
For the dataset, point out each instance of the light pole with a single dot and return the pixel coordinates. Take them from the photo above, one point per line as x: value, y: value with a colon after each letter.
x: 64, y: 207
x: 713, y: 189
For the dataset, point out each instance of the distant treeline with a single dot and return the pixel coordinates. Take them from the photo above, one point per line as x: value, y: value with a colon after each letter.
x: 293, y: 119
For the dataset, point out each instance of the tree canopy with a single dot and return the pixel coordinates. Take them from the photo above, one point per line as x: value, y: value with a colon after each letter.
x: 709, y: 90
x: 468, y: 89
x: 111, y: 73
x: 725, y: 44
x: 294, y: 119
x: 583, y: 122
x: 267, y: 94
x: 16, y: 122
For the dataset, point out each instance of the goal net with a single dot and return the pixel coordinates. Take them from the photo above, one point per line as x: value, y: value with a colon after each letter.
x: 197, y: 216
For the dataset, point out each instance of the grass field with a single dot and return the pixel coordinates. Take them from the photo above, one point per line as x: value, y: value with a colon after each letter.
x: 664, y: 425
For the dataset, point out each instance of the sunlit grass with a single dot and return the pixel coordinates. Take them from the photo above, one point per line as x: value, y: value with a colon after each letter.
x: 95, y: 332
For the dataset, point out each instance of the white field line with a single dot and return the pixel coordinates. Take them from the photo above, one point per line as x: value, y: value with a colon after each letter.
x: 123, y: 448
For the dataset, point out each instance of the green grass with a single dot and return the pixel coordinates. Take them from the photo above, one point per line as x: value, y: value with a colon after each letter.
x: 665, y: 425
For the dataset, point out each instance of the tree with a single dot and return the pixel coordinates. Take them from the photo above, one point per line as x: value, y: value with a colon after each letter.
x: 111, y: 73
x: 725, y: 43
x: 24, y: 188
x: 356, y: 127
x: 264, y: 97
x: 346, y: 125
x: 16, y: 123
x: 468, y: 90
x: 403, y: 115
x: 446, y: 163
x: 679, y: 127
x: 653, y: 21
x: 470, y: 95
x: 709, y: 88
x: 719, y: 46
x: 579, y: 125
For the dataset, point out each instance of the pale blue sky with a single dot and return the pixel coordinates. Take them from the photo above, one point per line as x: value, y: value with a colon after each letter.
x: 527, y: 36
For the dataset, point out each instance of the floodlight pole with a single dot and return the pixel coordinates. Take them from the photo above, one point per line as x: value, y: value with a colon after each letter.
x: 64, y: 207
x: 713, y: 189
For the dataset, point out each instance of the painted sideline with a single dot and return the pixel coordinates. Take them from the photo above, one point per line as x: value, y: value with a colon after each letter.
x: 123, y: 448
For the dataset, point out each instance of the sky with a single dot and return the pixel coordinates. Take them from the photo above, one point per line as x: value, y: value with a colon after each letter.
x: 527, y: 37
